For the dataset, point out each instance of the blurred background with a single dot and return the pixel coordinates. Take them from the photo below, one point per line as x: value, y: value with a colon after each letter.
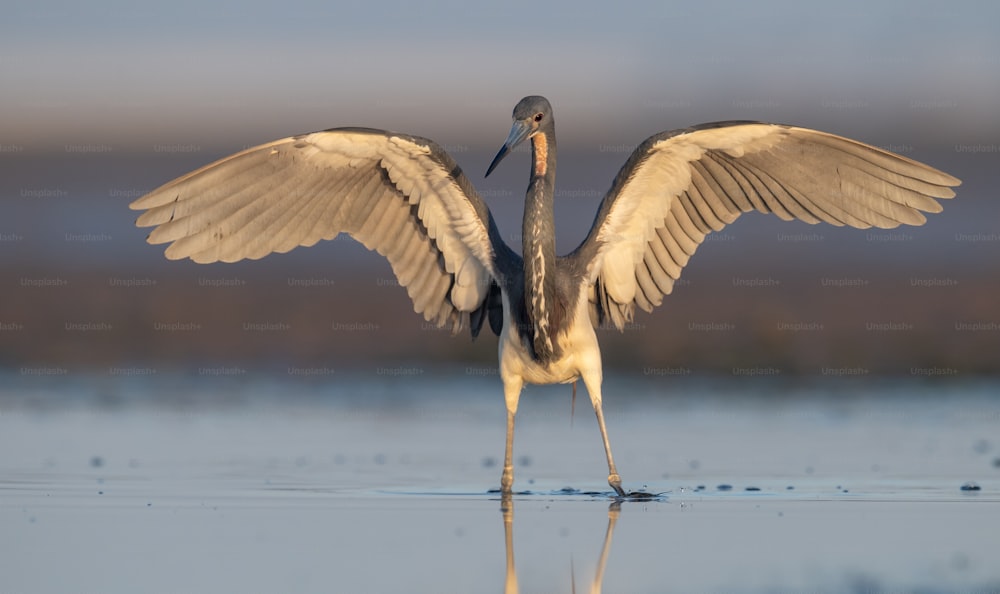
x: 102, y: 102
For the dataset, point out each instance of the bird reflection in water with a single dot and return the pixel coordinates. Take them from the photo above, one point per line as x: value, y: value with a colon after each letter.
x: 510, y: 579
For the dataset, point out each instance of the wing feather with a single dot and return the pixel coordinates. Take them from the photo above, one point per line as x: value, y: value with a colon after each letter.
x: 726, y: 180
x: 722, y: 207
x: 646, y: 288
x: 679, y: 215
x: 399, y: 195
x: 679, y: 186
x: 661, y: 251
x: 661, y: 280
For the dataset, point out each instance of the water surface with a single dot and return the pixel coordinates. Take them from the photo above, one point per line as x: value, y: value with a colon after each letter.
x: 190, y: 485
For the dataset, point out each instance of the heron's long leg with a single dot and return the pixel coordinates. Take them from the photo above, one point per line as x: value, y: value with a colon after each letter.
x: 613, y: 478
x: 512, y: 393
x: 507, y: 479
x: 594, y: 389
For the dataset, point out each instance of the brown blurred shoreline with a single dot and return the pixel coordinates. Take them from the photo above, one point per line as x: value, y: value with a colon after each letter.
x: 846, y: 326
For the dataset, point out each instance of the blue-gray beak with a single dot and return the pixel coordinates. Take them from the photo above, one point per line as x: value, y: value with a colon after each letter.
x: 518, y: 132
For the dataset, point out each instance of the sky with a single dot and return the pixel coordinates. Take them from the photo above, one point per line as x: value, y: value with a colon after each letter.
x: 132, y: 76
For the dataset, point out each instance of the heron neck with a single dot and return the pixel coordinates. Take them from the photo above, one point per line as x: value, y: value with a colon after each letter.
x: 539, y: 246
x: 539, y: 215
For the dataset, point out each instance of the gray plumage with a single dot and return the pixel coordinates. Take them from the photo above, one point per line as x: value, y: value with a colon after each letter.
x: 406, y: 198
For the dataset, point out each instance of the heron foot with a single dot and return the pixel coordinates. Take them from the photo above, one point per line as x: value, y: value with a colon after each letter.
x: 616, y: 483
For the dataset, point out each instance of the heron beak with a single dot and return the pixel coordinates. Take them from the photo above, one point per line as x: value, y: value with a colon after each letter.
x: 518, y: 132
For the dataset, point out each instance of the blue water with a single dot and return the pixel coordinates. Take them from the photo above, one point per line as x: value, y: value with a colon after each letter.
x: 173, y: 484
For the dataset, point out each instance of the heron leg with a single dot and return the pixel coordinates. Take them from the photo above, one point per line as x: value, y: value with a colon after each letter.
x: 512, y: 394
x: 594, y: 389
x: 507, y: 479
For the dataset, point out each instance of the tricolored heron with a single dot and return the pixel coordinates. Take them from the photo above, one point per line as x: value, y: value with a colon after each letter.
x: 406, y: 198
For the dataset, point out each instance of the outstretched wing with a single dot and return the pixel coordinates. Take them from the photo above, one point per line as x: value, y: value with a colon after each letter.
x: 679, y: 186
x: 400, y: 195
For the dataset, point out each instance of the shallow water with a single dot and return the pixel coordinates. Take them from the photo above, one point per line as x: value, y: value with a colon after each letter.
x: 187, y: 485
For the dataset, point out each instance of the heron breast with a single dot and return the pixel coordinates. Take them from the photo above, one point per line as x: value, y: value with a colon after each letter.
x: 578, y: 348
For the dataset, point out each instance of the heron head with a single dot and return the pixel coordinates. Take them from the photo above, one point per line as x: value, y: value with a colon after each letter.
x: 530, y: 115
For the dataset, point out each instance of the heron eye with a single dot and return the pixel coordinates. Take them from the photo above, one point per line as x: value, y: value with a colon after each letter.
x: 538, y: 117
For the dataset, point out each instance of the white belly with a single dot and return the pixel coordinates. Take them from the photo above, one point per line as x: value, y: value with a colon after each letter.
x: 581, y: 354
